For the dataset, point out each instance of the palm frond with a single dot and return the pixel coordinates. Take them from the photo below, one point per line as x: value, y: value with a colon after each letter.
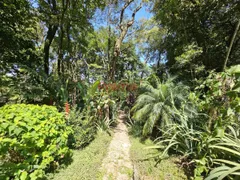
x: 146, y: 86
x: 166, y: 101
x: 142, y: 113
x: 149, y: 124
x: 142, y: 100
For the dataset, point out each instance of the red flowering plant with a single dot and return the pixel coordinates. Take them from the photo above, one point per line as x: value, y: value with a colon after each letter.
x: 120, y: 92
x: 67, y: 109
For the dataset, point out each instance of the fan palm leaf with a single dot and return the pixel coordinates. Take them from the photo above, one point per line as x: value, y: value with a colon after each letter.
x: 159, y: 105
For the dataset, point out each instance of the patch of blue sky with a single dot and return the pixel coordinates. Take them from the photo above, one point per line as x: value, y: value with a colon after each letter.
x: 143, y: 13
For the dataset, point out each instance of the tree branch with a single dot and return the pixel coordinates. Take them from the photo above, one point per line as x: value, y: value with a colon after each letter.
x: 125, y: 48
x: 123, y: 9
x: 130, y: 23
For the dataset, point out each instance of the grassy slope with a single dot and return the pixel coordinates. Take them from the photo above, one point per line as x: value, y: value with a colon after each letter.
x: 86, y: 162
x: 146, y: 170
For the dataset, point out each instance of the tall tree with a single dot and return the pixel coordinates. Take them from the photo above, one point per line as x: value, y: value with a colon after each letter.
x: 123, y: 28
x: 49, y: 12
x: 17, y: 34
x: 208, y: 24
x: 20, y: 60
x: 62, y: 17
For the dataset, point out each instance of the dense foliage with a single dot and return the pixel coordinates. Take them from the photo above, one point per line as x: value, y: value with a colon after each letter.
x: 210, y: 138
x: 98, y: 57
x: 83, y: 125
x: 33, y: 140
x: 160, y: 104
x: 101, y: 103
x: 210, y: 25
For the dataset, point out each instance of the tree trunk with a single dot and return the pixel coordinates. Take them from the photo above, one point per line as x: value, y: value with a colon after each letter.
x: 231, y: 44
x: 109, y: 43
x: 52, y: 29
x: 61, y: 35
x: 60, y: 51
x: 116, y: 53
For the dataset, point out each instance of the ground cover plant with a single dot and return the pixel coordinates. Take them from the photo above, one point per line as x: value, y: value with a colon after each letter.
x: 34, y: 141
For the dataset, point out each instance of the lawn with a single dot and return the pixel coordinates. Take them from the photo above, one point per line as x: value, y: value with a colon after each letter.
x: 146, y: 169
x: 86, y: 162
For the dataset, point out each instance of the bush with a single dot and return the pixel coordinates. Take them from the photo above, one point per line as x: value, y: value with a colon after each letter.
x: 158, y: 107
x: 210, y: 141
x: 83, y: 125
x: 202, y: 150
x: 33, y: 140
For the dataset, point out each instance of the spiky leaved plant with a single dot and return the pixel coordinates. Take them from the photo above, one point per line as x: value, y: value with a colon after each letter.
x: 160, y: 104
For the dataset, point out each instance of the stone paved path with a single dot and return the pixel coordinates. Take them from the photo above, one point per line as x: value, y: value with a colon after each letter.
x: 117, y: 164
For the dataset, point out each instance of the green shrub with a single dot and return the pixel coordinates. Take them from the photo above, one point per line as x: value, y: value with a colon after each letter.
x: 33, y: 140
x: 205, y: 151
x: 160, y: 104
x: 83, y: 125
x: 221, y: 102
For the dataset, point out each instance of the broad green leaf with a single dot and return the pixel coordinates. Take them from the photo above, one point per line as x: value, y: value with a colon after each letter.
x: 24, y: 175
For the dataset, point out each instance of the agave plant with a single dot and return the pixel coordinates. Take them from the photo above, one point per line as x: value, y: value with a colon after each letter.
x: 160, y: 104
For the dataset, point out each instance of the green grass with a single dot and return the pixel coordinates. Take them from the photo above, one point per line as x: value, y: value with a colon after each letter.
x: 147, y: 169
x: 87, y: 162
x: 126, y: 170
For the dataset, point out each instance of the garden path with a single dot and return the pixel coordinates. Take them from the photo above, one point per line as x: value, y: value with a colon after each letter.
x: 117, y: 164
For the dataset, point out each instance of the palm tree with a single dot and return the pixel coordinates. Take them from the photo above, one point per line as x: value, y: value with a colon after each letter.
x: 160, y: 105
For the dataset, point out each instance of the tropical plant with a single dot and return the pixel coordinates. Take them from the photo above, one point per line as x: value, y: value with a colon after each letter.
x: 203, y: 150
x: 83, y: 125
x: 210, y: 140
x: 160, y: 104
x: 33, y: 140
x: 98, y: 114
x: 104, y: 125
x: 227, y: 158
x: 221, y: 100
